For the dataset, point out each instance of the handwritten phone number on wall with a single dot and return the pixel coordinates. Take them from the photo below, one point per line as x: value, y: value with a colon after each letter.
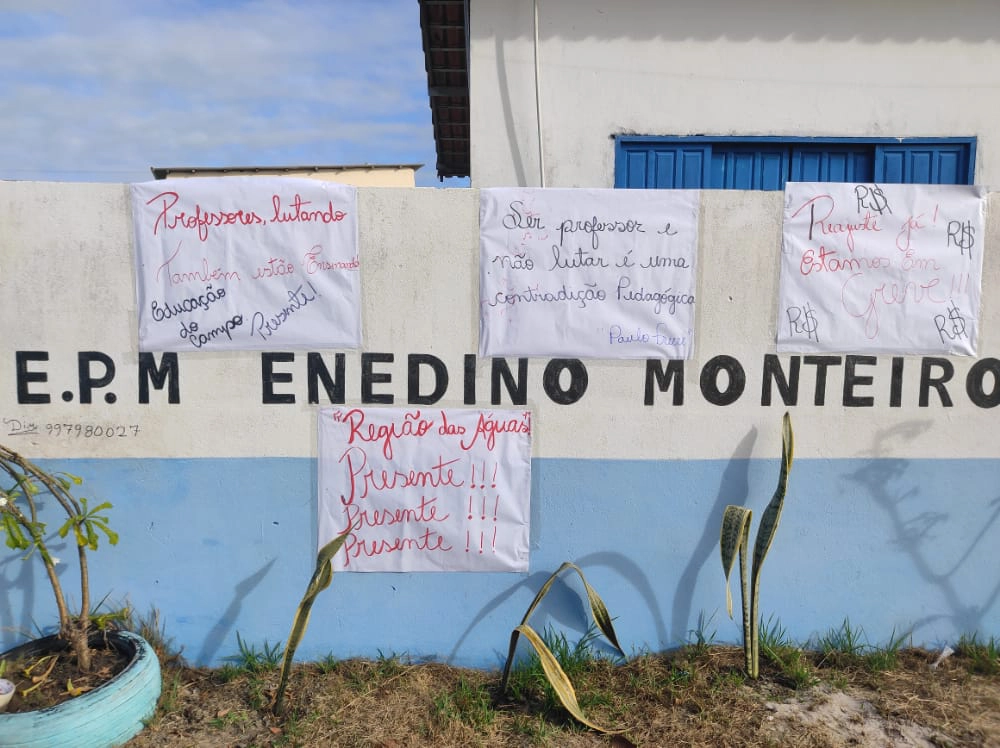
x: 17, y: 427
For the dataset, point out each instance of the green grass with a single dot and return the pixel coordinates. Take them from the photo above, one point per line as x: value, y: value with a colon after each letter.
x: 779, y: 650
x: 700, y: 638
x: 249, y: 659
x: 234, y: 717
x: 848, y: 646
x: 528, y: 681
x: 886, y: 657
x: 983, y: 655
x: 465, y: 703
x: 844, y: 645
x: 328, y: 664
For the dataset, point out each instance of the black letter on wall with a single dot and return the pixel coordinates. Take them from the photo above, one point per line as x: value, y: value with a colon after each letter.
x: 656, y: 376
x: 89, y: 383
x: 710, y: 380
x: 413, y: 363
x: 269, y: 377
x: 370, y: 377
x: 316, y: 370
x: 517, y: 389
x: 166, y: 373
x: 787, y: 388
x: 974, y: 383
x: 851, y: 380
x: 927, y: 381
x: 577, y: 382
x: 25, y: 377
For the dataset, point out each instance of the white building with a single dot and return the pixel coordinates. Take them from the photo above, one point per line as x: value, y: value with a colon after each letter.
x: 601, y: 93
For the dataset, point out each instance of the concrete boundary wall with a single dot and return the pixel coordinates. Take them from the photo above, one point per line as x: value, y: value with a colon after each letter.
x: 893, y: 498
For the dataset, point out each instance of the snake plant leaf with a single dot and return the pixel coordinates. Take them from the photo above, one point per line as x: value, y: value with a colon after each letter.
x: 559, y: 680
x: 321, y: 579
x: 772, y: 513
x: 765, y: 535
x: 598, y: 611
x: 734, y: 537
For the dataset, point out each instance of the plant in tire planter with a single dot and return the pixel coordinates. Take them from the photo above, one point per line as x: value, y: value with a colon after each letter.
x: 114, y: 711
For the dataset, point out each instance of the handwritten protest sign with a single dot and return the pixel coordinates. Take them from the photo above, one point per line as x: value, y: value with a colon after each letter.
x: 587, y: 273
x: 425, y: 490
x: 881, y: 268
x: 246, y: 263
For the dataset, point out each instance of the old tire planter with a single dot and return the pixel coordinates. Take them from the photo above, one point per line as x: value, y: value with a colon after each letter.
x: 110, y: 715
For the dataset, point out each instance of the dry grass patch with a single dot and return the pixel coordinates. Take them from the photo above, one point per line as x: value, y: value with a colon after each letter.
x: 693, y: 696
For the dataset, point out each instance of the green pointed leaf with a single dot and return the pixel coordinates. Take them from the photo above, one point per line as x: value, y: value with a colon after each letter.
x: 321, y: 579
x: 772, y: 513
x: 559, y: 680
x: 734, y: 537
x: 598, y: 611
x: 74, y: 478
x: 765, y: 535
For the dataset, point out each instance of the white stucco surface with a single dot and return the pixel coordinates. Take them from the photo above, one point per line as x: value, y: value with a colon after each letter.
x: 609, y: 67
x: 66, y: 287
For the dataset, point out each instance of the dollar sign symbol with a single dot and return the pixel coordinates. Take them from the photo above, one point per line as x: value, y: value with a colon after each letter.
x: 957, y: 321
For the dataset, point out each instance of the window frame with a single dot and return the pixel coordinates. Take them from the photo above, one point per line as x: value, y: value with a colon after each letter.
x: 627, y: 144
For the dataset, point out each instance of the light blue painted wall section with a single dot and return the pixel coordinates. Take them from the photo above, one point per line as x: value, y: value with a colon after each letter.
x: 227, y: 545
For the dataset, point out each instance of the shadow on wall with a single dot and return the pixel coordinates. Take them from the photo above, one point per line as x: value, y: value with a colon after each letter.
x: 767, y: 20
x: 516, y: 159
x: 564, y: 606
x: 223, y: 628
x: 21, y: 579
x: 24, y: 581
x: 560, y: 599
x: 734, y: 488
x: 884, y: 480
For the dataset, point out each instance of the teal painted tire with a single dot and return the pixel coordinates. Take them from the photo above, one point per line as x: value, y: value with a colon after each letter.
x: 108, y: 716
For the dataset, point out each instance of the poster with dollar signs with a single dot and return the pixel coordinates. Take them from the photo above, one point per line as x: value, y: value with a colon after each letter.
x: 881, y: 268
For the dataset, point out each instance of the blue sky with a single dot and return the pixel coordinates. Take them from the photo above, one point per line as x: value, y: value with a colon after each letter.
x: 101, y: 91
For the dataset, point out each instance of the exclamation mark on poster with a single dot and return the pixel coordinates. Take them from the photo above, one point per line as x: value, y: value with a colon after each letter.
x: 467, y: 541
x: 470, y: 506
x: 483, y: 515
x: 494, y: 540
x: 496, y: 506
x: 481, y: 538
x: 494, y: 484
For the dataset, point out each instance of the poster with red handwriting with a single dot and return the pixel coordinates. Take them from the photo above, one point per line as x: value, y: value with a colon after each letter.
x: 587, y: 273
x: 881, y: 268
x: 425, y: 489
x: 246, y: 263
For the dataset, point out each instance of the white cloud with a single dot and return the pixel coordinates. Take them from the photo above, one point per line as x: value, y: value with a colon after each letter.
x: 103, y: 91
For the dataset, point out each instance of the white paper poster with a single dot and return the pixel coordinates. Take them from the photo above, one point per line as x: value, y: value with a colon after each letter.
x: 587, y: 273
x: 246, y: 263
x: 887, y: 268
x: 425, y: 490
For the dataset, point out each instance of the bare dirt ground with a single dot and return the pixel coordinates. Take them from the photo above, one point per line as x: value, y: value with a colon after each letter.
x: 694, y: 696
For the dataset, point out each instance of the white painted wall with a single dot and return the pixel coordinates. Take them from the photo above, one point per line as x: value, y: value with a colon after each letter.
x: 66, y: 285
x: 716, y: 67
x: 888, y: 520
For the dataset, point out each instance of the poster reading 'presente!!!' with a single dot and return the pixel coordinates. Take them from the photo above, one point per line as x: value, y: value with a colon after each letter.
x: 425, y: 489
